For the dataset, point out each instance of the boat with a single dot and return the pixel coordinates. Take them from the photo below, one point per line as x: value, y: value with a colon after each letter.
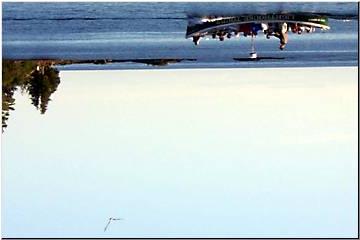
x: 209, y: 25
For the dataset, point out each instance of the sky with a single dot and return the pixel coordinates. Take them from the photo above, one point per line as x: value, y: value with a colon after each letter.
x: 185, y: 153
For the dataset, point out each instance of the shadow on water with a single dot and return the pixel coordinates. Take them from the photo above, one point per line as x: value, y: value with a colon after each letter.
x: 39, y: 79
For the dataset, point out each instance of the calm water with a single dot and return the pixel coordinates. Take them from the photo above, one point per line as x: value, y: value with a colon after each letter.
x: 157, y: 30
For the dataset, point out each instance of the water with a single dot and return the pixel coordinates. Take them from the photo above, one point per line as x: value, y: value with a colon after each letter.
x: 157, y: 30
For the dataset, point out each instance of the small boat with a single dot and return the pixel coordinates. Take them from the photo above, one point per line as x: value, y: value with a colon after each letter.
x: 253, y: 55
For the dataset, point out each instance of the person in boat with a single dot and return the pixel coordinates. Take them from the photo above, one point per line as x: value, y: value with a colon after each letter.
x: 255, y: 27
x: 294, y: 28
x: 280, y: 31
x: 196, y: 40
x: 269, y: 30
x: 232, y: 32
x: 229, y: 34
x: 264, y: 27
x: 307, y: 29
x: 282, y: 35
x: 245, y: 28
x: 221, y: 35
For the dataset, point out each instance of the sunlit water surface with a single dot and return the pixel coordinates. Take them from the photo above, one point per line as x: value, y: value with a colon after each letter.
x: 119, y: 30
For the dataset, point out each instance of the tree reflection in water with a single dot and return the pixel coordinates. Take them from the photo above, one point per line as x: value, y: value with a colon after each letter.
x: 37, y: 78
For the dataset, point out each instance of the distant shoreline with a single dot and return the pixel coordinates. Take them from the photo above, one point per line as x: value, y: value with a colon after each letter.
x: 157, y: 64
x: 150, y: 61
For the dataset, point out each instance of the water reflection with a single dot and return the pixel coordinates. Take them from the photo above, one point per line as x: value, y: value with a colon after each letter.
x: 39, y: 79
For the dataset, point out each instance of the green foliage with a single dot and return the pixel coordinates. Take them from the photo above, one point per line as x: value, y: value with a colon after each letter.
x: 37, y: 78
x: 41, y: 86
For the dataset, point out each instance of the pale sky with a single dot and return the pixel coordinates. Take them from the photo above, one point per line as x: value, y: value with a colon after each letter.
x: 185, y: 153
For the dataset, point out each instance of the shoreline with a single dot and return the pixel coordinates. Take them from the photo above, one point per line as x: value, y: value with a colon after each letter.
x: 148, y: 61
x: 167, y: 64
x: 214, y: 69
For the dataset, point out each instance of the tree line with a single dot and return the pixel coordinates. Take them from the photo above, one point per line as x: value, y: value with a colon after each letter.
x: 39, y: 79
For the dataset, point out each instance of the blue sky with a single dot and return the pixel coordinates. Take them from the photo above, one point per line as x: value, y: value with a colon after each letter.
x: 185, y: 153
